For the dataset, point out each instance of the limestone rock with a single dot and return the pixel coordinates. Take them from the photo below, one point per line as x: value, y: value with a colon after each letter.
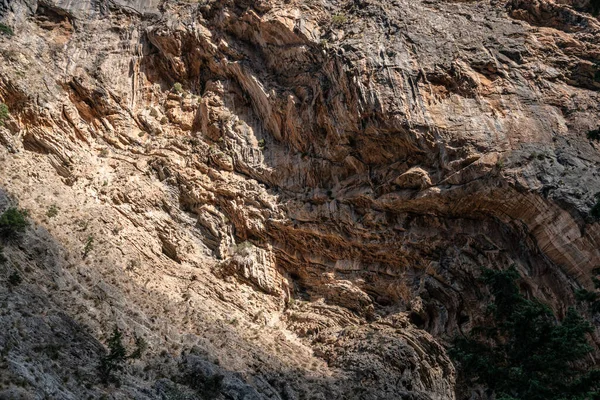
x: 295, y: 196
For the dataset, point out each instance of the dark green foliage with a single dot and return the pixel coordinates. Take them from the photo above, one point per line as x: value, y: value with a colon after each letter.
x: 6, y: 30
x: 14, y: 279
x: 595, y: 7
x: 339, y: 20
x: 50, y: 350
x: 13, y: 223
x: 52, y: 211
x: 140, y: 347
x: 595, y: 210
x: 208, y: 387
x: 591, y: 298
x: 4, y: 113
x: 524, y: 353
x: 585, y: 295
x: 89, y: 246
x: 114, y: 361
x: 594, y: 134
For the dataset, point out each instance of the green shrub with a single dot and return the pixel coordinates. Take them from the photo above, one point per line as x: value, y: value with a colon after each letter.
x: 339, y: 19
x: 4, y: 113
x: 14, y: 279
x: 594, y: 134
x: 140, y: 348
x: 585, y: 295
x: 114, y: 360
x: 52, y: 211
x: 595, y: 210
x: 523, y: 352
x: 13, y: 223
x: 6, y: 30
x: 89, y: 246
x: 208, y: 387
x: 177, y: 88
x: 592, y: 299
x: 595, y: 7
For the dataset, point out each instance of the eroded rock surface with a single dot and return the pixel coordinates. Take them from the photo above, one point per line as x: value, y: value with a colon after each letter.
x: 296, y: 196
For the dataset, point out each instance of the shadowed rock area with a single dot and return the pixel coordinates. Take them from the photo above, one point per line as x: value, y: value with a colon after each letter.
x: 287, y: 199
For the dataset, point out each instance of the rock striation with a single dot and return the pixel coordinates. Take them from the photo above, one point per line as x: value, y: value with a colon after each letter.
x: 292, y: 198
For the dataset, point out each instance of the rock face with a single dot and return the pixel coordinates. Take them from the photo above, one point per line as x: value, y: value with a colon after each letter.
x: 291, y: 198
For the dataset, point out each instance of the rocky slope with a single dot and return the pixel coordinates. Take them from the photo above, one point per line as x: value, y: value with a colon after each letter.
x: 295, y: 195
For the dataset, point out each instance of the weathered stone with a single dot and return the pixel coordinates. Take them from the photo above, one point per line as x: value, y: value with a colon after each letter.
x: 312, y: 208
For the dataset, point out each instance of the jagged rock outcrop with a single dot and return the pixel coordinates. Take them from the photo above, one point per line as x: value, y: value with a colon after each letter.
x: 295, y: 196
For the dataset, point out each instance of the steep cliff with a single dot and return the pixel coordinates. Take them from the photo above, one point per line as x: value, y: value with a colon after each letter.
x: 295, y: 196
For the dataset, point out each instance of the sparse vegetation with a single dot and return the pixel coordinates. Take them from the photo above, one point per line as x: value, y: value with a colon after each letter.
x: 114, y: 361
x: 594, y: 134
x: 177, y: 88
x: 13, y: 223
x: 595, y: 7
x: 591, y: 298
x: 4, y: 113
x: 208, y: 387
x: 89, y: 246
x: 261, y: 144
x: 595, y: 210
x: 140, y: 348
x: 52, y: 211
x: 6, y: 30
x: 14, y: 279
x: 524, y: 352
x: 339, y: 19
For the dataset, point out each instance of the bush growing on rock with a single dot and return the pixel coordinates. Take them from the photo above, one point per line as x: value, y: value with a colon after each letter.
x: 4, y: 113
x: 208, y: 387
x: 89, y: 246
x: 339, y: 19
x: 594, y: 134
x: 6, y: 30
x: 595, y: 7
x: 14, y: 279
x: 524, y: 353
x: 13, y: 223
x: 591, y: 298
x: 113, y: 362
x: 595, y: 210
x: 52, y: 211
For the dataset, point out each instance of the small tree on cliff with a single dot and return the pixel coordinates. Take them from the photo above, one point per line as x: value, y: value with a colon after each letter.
x: 114, y: 361
x: 525, y: 353
x: 13, y: 223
